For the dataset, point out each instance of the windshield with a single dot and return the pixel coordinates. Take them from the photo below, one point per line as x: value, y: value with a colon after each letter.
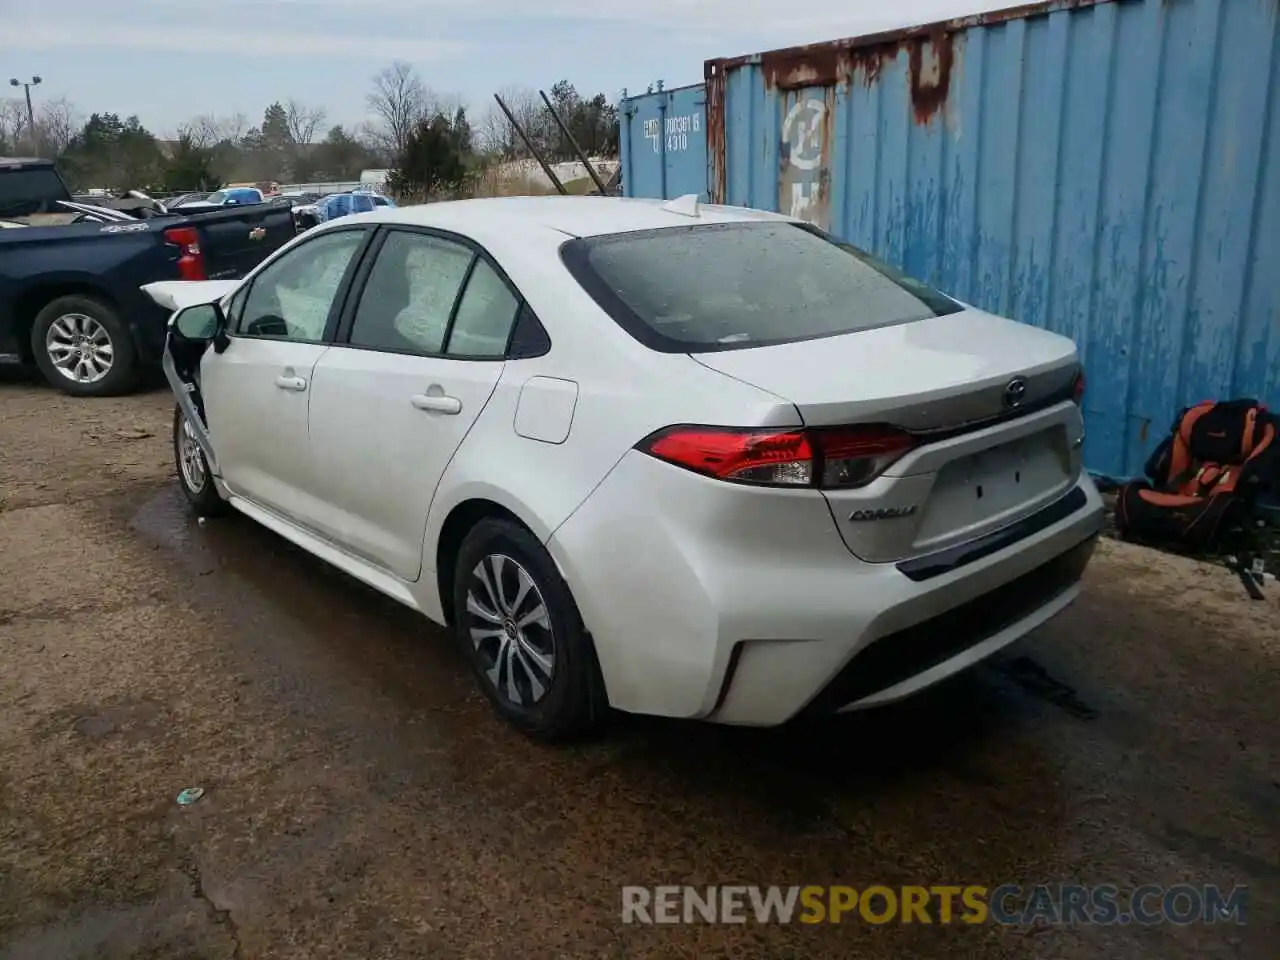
x: 30, y: 190
x: 729, y: 286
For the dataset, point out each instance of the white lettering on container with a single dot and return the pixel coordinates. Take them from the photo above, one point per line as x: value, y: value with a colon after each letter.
x: 676, y: 131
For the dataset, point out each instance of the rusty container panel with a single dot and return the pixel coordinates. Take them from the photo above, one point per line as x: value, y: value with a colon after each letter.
x: 1109, y: 169
x: 663, y: 140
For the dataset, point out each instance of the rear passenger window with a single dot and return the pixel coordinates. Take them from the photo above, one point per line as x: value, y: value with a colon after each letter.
x: 485, y: 316
x: 410, y: 294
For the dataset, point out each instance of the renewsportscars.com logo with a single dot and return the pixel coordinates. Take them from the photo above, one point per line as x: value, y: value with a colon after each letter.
x: 1008, y: 904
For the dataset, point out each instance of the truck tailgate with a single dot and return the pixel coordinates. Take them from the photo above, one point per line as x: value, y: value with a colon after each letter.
x: 236, y: 239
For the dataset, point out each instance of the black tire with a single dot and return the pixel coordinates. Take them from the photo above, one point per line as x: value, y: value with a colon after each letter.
x: 122, y: 375
x: 204, y: 498
x: 573, y: 703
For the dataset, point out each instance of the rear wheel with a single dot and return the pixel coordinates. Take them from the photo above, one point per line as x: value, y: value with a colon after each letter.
x: 521, y: 630
x: 83, y: 347
x: 194, y: 475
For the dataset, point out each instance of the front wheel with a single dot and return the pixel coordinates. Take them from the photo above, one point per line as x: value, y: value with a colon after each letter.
x: 520, y: 629
x: 194, y: 474
x: 83, y: 347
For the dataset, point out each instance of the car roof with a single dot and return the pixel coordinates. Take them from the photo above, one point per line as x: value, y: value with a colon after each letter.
x: 25, y: 162
x: 567, y: 216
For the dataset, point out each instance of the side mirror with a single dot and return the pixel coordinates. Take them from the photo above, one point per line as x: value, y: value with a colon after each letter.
x: 199, y: 324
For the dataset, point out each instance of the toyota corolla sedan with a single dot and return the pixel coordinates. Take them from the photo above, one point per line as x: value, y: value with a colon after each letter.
x: 666, y: 458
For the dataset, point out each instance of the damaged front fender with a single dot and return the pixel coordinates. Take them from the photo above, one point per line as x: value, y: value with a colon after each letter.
x: 177, y: 296
x: 185, y: 393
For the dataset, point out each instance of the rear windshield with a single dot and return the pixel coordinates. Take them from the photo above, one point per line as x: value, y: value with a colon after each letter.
x: 730, y: 286
x: 29, y: 190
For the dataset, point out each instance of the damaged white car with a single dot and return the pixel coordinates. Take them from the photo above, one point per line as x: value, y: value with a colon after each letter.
x: 667, y: 458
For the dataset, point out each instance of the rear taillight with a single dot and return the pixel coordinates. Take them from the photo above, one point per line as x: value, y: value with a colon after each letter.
x: 1077, y: 389
x: 190, y: 259
x: 830, y: 458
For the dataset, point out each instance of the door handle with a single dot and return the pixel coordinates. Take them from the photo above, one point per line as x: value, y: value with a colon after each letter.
x: 297, y: 384
x: 436, y: 404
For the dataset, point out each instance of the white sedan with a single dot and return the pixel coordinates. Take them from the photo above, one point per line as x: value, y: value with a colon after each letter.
x: 667, y: 458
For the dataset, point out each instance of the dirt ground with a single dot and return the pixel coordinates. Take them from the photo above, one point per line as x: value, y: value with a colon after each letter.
x: 361, y: 800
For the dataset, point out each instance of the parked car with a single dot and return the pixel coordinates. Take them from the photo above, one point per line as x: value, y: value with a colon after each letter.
x: 675, y: 459
x: 233, y: 196
x: 69, y: 298
x: 228, y: 197
x: 173, y: 203
x: 336, y: 205
x: 304, y: 209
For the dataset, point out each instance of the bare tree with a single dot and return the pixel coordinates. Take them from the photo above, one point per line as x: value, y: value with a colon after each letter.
x: 57, y: 124
x: 303, y: 121
x: 493, y: 132
x: 232, y: 128
x: 206, y: 130
x: 13, y: 117
x: 399, y: 100
x: 202, y: 131
x: 529, y: 111
x: 374, y: 138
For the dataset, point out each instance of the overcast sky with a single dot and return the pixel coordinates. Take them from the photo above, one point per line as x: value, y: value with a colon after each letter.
x: 167, y: 60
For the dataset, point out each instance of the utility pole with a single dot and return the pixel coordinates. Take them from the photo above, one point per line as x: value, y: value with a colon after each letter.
x: 31, y: 114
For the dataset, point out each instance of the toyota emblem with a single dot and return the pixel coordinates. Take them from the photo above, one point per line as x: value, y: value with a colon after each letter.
x: 1015, y: 392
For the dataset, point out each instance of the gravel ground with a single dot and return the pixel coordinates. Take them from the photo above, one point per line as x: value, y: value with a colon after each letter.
x: 361, y: 801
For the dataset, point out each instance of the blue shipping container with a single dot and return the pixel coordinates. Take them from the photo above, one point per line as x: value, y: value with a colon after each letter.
x: 663, y: 136
x: 1108, y: 169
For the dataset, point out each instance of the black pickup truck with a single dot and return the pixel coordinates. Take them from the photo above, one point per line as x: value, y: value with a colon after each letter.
x: 70, y: 302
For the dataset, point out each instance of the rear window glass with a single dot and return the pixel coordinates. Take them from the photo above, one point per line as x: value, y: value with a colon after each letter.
x: 30, y: 190
x: 730, y: 286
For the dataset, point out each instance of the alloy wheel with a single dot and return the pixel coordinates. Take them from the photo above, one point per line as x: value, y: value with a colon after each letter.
x: 510, y: 629
x: 80, y: 348
x: 191, y: 459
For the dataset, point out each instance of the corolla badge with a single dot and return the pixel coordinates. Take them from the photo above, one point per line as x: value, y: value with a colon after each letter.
x: 1015, y: 391
x: 884, y: 513
x: 257, y: 233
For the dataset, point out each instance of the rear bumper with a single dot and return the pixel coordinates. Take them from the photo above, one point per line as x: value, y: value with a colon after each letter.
x: 704, y: 600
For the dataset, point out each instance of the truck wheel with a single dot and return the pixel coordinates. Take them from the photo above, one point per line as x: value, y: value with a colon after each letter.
x: 83, y: 347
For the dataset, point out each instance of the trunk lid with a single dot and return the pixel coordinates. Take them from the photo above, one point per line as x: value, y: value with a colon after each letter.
x: 989, y: 453
x: 924, y: 375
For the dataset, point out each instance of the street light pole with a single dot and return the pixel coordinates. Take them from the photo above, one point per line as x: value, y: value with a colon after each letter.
x: 31, y: 114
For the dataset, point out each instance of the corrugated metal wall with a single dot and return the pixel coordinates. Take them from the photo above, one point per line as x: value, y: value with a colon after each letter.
x: 663, y: 137
x: 1104, y: 168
